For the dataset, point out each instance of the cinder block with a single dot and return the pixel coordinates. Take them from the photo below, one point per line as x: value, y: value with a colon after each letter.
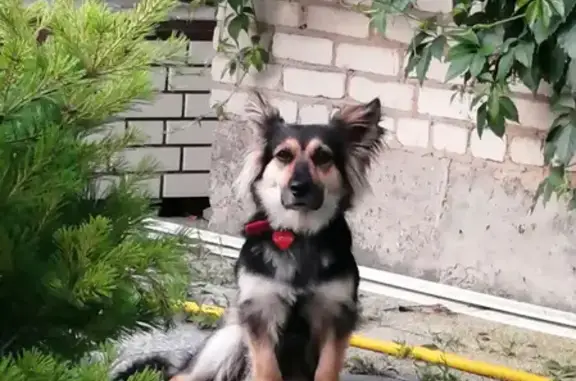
x: 438, y: 102
x: 314, y: 83
x: 392, y: 94
x: 303, y: 48
x: 338, y: 21
x: 198, y: 105
x: 190, y: 131
x: 532, y: 113
x: 164, y: 105
x: 524, y: 150
x: 189, y: 79
x: 197, y: 158
x: 312, y: 114
x: 368, y: 58
x: 413, y: 132
x: 186, y: 185
x: 165, y: 158
x: 490, y: 147
x: 449, y: 138
x: 152, y: 131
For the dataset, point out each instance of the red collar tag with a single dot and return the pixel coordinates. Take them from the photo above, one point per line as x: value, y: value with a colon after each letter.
x: 282, y: 238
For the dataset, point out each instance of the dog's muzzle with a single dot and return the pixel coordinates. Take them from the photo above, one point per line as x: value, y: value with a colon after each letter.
x: 302, y: 193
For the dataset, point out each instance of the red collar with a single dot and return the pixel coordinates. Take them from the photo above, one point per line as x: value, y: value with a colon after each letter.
x: 282, y: 238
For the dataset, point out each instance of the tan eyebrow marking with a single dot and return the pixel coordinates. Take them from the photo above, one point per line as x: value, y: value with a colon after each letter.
x: 314, y: 144
x: 291, y: 144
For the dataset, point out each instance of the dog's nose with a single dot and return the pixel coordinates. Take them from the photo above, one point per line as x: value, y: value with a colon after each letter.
x: 299, y: 188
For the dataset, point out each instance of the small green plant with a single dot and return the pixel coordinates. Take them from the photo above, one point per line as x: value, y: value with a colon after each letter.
x: 77, y: 265
x: 559, y: 372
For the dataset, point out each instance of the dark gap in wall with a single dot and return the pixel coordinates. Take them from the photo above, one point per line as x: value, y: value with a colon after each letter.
x: 183, y: 207
x: 197, y: 30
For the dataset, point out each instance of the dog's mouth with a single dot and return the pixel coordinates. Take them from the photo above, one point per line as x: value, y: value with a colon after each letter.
x: 307, y: 202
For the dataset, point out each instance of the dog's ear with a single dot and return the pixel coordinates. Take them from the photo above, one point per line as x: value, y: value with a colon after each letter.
x: 359, y: 124
x: 261, y: 114
x: 262, y: 117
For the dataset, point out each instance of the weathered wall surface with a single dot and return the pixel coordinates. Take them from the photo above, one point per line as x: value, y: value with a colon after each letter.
x: 447, y: 206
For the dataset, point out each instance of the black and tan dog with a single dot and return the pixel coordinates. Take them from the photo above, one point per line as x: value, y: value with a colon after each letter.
x: 297, y: 279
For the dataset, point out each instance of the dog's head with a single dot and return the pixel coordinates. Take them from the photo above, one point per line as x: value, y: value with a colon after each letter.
x: 301, y: 176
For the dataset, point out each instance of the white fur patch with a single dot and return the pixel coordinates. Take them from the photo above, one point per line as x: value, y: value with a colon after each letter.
x: 269, y: 191
x: 336, y: 291
x: 250, y: 169
x: 328, y: 300
x: 220, y: 356
x: 269, y: 297
x: 284, y: 264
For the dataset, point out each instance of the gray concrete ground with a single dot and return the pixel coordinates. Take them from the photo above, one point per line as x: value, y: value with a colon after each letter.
x: 396, y: 320
x: 433, y: 327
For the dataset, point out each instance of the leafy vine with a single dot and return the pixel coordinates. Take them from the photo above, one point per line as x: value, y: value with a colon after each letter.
x: 492, y: 43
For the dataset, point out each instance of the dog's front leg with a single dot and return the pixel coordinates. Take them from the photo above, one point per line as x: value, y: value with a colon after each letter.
x: 332, y: 355
x: 263, y: 357
x: 335, y: 315
x: 263, y: 308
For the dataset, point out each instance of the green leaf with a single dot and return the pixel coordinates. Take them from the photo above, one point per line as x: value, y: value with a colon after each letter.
x: 524, y: 52
x: 493, y: 105
x: 458, y: 66
x: 531, y: 77
x: 491, y: 40
x: 236, y: 5
x: 413, y: 59
x: 477, y: 65
x: 460, y: 50
x: 509, y: 109
x: 565, y: 143
x: 505, y: 65
x: 423, y: 64
x: 556, y: 64
x: 546, y: 13
x: 467, y: 36
x: 533, y: 12
x: 571, y: 74
x: 477, y: 98
x: 558, y: 7
x: 378, y: 21
x: 264, y: 55
x: 567, y: 39
x: 237, y: 24
x: 481, y: 119
x: 437, y: 47
x: 521, y: 3
x: 538, y: 16
x: 248, y: 10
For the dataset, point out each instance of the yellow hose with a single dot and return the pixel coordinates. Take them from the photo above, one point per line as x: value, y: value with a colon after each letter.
x: 418, y: 353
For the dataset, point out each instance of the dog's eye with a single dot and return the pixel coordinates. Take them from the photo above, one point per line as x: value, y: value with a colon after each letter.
x: 321, y: 157
x: 285, y: 156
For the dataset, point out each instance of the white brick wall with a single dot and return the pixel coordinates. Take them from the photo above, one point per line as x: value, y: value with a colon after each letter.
x: 314, y: 83
x: 173, y: 137
x: 303, y: 48
x: 324, y: 55
x: 371, y: 59
x: 337, y: 21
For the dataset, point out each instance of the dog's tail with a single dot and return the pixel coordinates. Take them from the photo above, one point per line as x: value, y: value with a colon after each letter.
x: 155, y: 363
x: 223, y: 357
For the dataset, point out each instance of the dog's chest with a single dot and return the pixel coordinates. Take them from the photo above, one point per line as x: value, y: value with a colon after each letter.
x: 301, y: 265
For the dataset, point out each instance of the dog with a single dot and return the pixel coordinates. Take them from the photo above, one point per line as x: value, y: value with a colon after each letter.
x: 297, y: 301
